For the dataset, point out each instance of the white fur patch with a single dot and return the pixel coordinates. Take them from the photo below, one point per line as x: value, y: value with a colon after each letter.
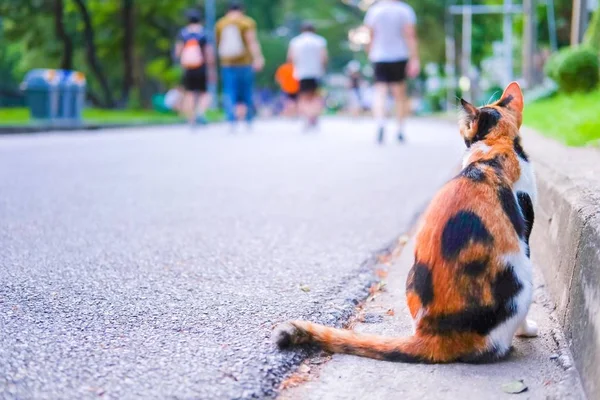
x: 501, y: 337
x: 526, y: 182
x: 479, y: 147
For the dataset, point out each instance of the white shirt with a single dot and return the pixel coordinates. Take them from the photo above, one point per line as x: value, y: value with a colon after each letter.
x: 387, y: 19
x: 307, y: 54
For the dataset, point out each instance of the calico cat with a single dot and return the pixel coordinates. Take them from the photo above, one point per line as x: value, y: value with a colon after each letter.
x: 470, y: 288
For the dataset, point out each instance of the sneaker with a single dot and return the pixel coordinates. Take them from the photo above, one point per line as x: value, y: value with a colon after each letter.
x: 401, y: 138
x: 380, y: 135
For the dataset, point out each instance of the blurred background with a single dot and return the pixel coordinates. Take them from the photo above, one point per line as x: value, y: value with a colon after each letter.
x: 124, y: 48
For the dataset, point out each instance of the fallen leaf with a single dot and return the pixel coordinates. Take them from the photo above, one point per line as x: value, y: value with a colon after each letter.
x: 390, y: 312
x: 514, y: 387
x: 381, y: 273
x: 403, y: 239
x: 305, y: 288
x: 304, y: 369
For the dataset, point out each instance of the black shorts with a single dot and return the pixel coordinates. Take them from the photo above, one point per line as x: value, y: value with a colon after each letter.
x: 390, y: 72
x: 194, y: 80
x: 309, y: 85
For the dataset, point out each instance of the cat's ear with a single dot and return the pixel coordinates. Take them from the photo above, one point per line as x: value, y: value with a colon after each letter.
x: 512, y: 97
x: 468, y: 108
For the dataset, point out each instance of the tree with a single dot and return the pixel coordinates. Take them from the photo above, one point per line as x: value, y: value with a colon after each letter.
x: 128, y: 43
x: 63, y: 36
x: 91, y: 53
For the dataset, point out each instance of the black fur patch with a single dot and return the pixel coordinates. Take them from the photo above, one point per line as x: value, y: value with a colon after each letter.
x: 506, y: 285
x: 519, y: 149
x: 506, y: 101
x: 482, y: 319
x: 476, y: 268
x: 398, y: 356
x: 526, y: 206
x: 486, y: 357
x: 487, y: 119
x: 473, y: 173
x: 496, y: 164
x: 423, y: 283
x: 460, y: 230
x: 511, y: 208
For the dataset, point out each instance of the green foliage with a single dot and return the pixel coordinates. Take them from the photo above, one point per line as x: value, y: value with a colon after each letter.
x: 578, y: 70
x: 554, y: 62
x: 570, y: 118
x: 592, y: 36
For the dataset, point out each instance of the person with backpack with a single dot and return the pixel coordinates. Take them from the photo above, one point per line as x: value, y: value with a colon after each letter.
x: 240, y: 56
x: 290, y: 87
x: 197, y: 59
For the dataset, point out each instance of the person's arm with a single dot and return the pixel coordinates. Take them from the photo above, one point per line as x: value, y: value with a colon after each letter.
x: 258, y: 61
x: 178, y: 49
x: 414, y: 65
x: 324, y: 55
x: 290, y: 53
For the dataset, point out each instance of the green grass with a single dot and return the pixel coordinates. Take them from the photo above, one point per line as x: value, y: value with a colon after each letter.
x: 20, y: 116
x: 573, y: 119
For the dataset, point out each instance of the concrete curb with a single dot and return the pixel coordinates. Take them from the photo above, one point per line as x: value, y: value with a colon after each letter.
x: 566, y: 245
x: 32, y: 129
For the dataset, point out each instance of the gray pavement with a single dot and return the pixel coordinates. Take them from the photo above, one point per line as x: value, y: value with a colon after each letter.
x: 153, y: 263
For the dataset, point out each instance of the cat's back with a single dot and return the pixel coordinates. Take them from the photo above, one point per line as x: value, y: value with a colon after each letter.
x: 467, y: 212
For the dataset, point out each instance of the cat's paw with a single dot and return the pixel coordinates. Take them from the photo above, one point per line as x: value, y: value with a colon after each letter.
x: 528, y: 328
x: 285, y: 335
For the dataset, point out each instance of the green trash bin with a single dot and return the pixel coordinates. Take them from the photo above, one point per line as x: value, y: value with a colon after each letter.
x: 42, y: 93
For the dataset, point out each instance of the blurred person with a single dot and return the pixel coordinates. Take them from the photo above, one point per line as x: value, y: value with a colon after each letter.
x: 289, y: 87
x: 240, y: 56
x: 394, y: 54
x: 308, y: 53
x: 196, y: 57
x: 355, y: 100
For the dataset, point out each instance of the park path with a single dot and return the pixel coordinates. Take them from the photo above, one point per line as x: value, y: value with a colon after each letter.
x: 154, y: 262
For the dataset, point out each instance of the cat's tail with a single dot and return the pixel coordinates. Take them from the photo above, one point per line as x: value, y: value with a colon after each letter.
x: 410, y: 349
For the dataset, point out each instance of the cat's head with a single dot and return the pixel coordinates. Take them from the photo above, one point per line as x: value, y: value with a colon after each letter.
x: 493, y: 121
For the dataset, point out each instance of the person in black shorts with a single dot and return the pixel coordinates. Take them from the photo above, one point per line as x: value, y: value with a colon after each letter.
x: 198, y: 62
x: 308, y: 53
x: 393, y: 52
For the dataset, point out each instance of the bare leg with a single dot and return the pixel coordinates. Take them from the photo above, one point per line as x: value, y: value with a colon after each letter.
x: 314, y: 107
x: 401, y: 106
x: 240, y: 111
x: 203, y: 103
x: 379, y: 107
x: 303, y: 105
x: 189, y: 106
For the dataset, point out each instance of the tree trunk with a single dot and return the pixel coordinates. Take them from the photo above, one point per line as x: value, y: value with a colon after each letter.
x: 61, y: 33
x: 129, y: 31
x: 91, y: 53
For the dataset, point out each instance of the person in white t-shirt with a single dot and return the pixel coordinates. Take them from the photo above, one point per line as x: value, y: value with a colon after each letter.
x: 308, y: 53
x: 393, y: 52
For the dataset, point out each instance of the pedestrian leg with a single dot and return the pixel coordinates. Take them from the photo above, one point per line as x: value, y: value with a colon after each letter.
x: 247, y: 92
x: 401, y: 107
x: 229, y: 92
x: 379, y: 108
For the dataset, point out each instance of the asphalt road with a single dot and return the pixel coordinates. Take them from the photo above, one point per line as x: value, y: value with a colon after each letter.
x: 153, y: 263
